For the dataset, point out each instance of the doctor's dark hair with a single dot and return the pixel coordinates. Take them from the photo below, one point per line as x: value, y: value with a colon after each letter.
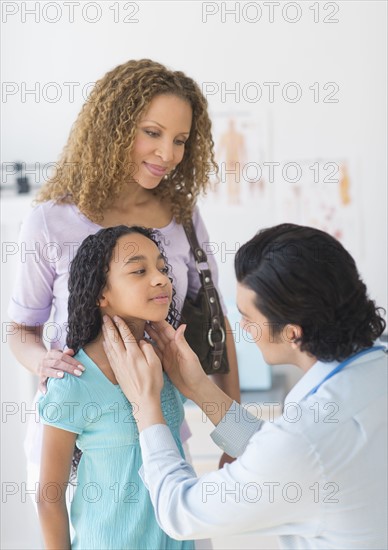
x: 303, y: 276
x: 88, y: 277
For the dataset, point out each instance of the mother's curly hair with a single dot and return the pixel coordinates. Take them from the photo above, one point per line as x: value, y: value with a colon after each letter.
x: 303, y: 276
x: 95, y: 166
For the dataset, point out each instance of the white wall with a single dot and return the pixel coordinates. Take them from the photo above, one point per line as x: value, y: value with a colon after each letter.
x: 223, y: 55
x: 220, y: 52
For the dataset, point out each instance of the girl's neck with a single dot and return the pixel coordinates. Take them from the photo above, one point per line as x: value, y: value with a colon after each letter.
x: 136, y: 327
x: 96, y: 352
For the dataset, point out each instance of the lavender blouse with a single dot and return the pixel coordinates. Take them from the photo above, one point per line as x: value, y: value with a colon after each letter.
x: 49, y: 239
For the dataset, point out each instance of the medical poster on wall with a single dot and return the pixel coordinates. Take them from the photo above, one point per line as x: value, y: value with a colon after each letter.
x: 242, y: 149
x: 255, y: 181
x: 323, y: 193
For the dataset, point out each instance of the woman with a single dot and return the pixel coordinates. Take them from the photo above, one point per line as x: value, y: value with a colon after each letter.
x: 316, y: 477
x: 139, y: 153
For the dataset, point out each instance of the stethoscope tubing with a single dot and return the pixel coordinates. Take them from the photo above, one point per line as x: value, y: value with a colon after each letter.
x: 344, y: 364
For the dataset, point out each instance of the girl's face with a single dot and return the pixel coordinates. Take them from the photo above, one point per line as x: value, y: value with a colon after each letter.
x: 138, y: 287
x: 160, y: 140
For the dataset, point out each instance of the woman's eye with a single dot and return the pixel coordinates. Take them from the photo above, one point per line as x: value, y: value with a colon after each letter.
x: 151, y: 133
x: 180, y: 142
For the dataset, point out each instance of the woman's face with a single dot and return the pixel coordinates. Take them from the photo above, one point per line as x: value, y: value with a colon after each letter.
x: 138, y: 287
x: 160, y: 140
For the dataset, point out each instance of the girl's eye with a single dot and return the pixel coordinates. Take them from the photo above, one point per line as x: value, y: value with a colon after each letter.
x: 138, y: 272
x: 164, y: 269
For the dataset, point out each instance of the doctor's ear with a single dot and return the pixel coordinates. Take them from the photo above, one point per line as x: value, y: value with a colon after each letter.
x: 294, y: 334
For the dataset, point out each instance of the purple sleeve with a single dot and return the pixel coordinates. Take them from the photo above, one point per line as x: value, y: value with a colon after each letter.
x: 32, y: 294
x: 204, y: 241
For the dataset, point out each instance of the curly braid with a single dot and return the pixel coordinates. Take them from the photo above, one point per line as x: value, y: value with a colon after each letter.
x: 87, y: 279
x: 94, y: 166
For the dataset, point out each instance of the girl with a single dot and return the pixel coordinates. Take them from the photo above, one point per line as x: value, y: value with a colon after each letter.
x: 118, y: 271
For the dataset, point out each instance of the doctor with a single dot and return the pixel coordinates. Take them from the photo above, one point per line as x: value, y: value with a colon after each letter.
x: 316, y: 476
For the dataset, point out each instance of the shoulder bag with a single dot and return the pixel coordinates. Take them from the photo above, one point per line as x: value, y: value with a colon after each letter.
x: 205, y: 332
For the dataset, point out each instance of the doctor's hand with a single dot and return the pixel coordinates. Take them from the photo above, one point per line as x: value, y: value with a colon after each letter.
x: 137, y: 369
x: 179, y: 361
x: 185, y: 371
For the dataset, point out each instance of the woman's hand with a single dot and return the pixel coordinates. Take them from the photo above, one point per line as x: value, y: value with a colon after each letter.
x: 137, y: 369
x: 55, y: 363
x: 179, y: 361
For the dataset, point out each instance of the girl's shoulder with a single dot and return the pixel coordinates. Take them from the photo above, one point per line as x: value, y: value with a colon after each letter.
x: 69, y: 387
x: 64, y: 403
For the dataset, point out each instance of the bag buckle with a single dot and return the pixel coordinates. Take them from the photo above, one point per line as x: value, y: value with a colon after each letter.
x: 210, y: 339
x: 199, y: 269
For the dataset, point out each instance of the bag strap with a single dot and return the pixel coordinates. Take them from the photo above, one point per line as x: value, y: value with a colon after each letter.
x: 216, y: 333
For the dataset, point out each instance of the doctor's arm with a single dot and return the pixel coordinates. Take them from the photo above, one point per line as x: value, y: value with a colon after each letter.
x: 239, y: 497
x: 256, y: 493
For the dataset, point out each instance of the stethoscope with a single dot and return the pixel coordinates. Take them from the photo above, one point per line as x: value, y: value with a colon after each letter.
x: 344, y: 364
